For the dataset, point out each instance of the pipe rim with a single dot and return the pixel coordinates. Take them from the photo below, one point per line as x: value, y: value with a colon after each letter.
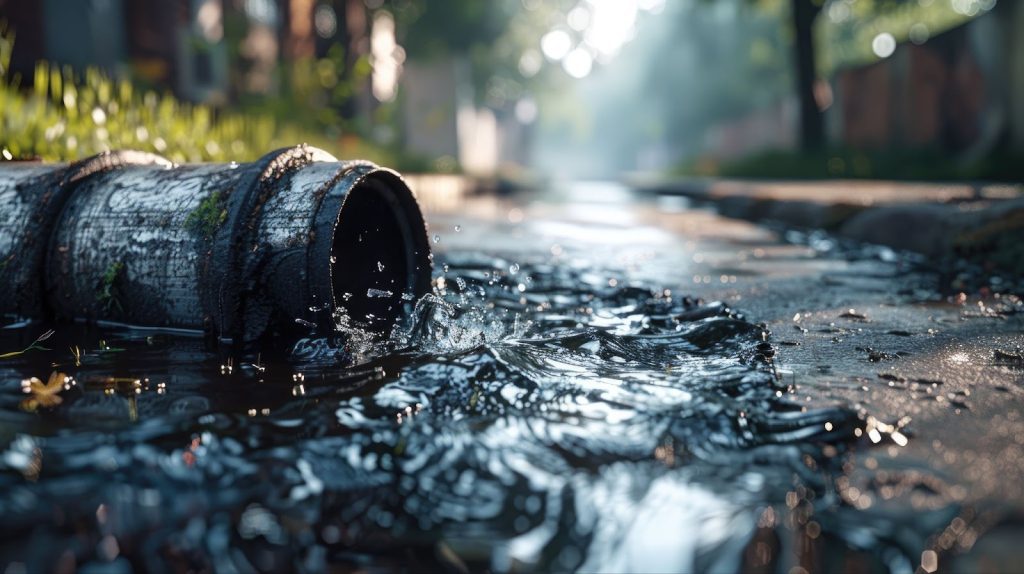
x: 364, y: 194
x: 230, y: 276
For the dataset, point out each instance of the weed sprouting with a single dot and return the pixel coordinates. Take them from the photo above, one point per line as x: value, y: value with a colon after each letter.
x: 209, y: 215
x: 108, y: 287
x: 35, y: 346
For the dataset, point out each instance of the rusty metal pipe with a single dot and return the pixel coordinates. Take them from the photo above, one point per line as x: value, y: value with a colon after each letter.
x: 242, y: 250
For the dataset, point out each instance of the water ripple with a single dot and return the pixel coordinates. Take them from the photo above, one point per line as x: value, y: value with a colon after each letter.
x: 559, y: 425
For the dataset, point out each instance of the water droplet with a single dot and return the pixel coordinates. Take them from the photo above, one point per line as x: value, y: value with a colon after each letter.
x: 458, y: 228
x: 437, y: 238
x: 514, y: 268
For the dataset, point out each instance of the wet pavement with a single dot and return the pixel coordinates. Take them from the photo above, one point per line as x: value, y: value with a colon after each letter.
x: 857, y: 326
x: 978, y: 221
x: 600, y: 383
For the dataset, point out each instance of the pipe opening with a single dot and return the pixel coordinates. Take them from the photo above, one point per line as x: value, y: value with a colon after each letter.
x: 380, y: 263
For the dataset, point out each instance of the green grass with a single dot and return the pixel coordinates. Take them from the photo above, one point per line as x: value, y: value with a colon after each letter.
x: 66, y: 116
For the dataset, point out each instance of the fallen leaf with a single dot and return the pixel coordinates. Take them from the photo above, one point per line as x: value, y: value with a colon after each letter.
x: 43, y: 394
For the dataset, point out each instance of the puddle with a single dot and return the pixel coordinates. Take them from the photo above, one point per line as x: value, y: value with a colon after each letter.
x: 530, y: 417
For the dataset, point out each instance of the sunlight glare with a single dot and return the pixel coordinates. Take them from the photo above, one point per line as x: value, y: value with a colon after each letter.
x: 556, y: 44
x: 612, y: 25
x: 578, y: 63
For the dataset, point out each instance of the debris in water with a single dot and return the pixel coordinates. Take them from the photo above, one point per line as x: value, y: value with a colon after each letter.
x: 35, y: 346
x: 41, y: 394
x: 1014, y: 358
x: 378, y: 293
x: 875, y: 356
x: 852, y: 314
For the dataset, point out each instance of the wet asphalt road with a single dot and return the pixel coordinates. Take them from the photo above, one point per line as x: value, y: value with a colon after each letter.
x: 865, y: 328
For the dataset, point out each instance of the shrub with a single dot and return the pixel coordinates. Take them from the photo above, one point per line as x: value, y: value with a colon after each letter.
x: 66, y: 116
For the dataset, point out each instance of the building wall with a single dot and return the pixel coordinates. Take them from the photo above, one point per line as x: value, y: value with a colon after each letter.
x: 961, y: 92
x: 25, y: 19
x: 77, y: 33
x: 85, y: 33
x: 771, y: 127
x: 955, y: 92
x: 430, y: 103
x: 177, y: 44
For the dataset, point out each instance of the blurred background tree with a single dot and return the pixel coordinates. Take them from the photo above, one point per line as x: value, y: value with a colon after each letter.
x: 595, y: 88
x: 875, y: 88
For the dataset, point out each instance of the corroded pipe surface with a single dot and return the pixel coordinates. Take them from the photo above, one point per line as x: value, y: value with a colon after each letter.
x: 241, y: 250
x: 32, y: 196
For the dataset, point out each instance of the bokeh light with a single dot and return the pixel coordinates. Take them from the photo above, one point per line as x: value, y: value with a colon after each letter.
x: 883, y: 45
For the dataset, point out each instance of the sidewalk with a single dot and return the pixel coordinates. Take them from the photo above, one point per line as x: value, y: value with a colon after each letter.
x: 983, y: 222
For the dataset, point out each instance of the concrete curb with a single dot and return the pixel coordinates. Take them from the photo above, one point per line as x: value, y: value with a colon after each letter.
x: 981, y: 222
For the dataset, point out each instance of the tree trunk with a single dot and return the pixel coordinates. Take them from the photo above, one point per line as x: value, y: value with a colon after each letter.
x: 812, y: 126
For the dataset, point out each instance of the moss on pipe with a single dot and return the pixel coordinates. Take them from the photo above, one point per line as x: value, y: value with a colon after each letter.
x: 209, y: 215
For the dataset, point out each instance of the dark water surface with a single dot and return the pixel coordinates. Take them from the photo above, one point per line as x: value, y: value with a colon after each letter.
x: 532, y: 416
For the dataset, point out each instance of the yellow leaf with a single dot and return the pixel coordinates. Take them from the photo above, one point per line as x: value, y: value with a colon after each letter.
x: 43, y: 394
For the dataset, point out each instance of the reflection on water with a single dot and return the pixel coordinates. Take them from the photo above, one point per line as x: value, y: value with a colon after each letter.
x: 529, y: 417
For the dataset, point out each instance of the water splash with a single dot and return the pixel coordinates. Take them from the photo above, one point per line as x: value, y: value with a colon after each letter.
x: 574, y: 424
